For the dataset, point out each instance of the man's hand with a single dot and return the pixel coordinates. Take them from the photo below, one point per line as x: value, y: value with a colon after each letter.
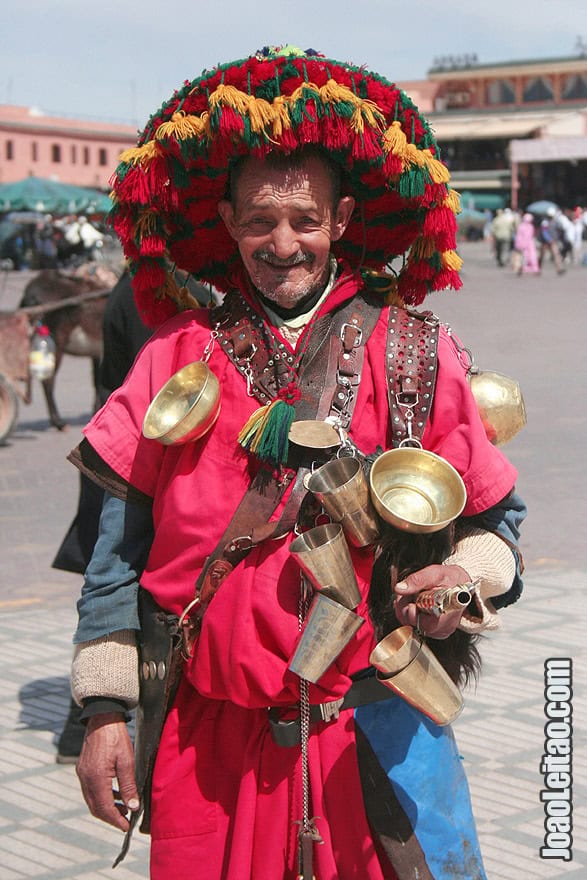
x: 427, y: 579
x: 107, y: 754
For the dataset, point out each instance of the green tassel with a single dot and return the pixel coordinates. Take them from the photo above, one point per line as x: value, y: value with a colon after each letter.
x: 266, y: 433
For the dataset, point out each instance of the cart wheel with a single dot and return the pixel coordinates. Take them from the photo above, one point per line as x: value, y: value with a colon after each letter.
x: 8, y: 408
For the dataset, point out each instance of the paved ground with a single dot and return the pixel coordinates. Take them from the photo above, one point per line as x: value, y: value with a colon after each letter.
x: 514, y: 325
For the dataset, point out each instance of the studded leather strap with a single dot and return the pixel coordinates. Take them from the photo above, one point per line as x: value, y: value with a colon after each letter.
x: 411, y: 365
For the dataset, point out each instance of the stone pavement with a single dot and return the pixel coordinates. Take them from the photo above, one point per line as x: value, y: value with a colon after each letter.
x: 45, y: 829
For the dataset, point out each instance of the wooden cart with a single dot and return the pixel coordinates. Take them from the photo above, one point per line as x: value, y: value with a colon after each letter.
x: 15, y: 342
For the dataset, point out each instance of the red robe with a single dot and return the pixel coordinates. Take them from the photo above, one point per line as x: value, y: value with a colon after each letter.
x: 225, y: 797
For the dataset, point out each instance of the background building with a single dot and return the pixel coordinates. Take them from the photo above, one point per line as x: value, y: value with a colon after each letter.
x: 512, y: 132
x: 79, y: 152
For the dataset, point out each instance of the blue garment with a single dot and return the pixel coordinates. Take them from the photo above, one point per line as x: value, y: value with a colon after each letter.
x: 505, y: 519
x: 109, y: 595
x: 425, y: 770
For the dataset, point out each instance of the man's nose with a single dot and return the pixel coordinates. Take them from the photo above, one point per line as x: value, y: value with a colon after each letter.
x: 284, y: 241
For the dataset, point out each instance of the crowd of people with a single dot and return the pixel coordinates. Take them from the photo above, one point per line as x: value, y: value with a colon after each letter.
x: 41, y: 241
x: 524, y: 240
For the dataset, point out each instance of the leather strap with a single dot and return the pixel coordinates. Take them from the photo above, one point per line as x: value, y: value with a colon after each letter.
x: 244, y: 342
x: 411, y: 365
x: 286, y: 733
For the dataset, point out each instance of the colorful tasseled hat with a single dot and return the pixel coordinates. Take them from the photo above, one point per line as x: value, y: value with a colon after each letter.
x: 166, y: 190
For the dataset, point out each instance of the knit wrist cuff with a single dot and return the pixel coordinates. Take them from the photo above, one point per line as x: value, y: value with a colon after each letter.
x: 486, y: 557
x: 107, y: 667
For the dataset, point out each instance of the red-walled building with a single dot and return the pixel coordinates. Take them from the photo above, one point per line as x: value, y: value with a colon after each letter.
x: 80, y: 152
x: 514, y: 130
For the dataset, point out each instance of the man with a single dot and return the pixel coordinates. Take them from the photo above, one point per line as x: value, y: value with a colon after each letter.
x: 502, y: 231
x: 325, y: 188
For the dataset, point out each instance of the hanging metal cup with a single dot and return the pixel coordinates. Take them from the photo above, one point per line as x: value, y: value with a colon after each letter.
x: 329, y: 628
x: 323, y: 554
x: 416, y: 490
x: 185, y: 408
x: 500, y: 404
x: 407, y: 666
x: 341, y: 488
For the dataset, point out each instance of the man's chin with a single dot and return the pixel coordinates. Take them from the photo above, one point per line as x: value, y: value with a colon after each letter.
x: 286, y: 293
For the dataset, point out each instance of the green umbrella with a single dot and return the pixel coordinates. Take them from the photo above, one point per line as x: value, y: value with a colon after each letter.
x: 51, y: 196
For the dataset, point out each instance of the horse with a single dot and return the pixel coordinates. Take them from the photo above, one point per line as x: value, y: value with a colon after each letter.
x: 76, y: 328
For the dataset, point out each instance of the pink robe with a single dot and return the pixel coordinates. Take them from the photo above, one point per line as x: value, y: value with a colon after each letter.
x: 225, y: 797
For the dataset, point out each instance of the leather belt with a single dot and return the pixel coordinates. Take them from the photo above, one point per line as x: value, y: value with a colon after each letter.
x: 361, y: 692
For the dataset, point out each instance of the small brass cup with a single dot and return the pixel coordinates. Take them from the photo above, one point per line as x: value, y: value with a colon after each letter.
x: 407, y: 666
x: 342, y: 489
x: 185, y: 408
x: 416, y: 490
x: 500, y: 404
x: 329, y: 628
x: 323, y: 554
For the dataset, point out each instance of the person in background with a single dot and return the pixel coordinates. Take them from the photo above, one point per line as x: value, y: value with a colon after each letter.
x: 525, y: 246
x: 549, y: 237
x: 502, y: 232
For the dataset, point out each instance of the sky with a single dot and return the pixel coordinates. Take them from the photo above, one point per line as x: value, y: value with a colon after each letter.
x: 119, y: 60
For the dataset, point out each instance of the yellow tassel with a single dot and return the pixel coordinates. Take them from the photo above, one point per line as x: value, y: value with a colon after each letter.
x: 371, y: 112
x: 357, y: 121
x: 302, y: 92
x: 451, y: 260
x: 181, y: 127
x: 438, y: 172
x: 254, y: 423
x: 229, y: 96
x: 422, y: 248
x: 281, y: 117
x: 453, y: 201
x: 333, y: 92
x: 414, y: 156
x: 261, y: 114
x: 394, y: 140
x: 136, y: 155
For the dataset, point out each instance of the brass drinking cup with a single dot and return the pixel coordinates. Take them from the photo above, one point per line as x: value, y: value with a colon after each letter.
x: 407, y: 666
x: 323, y: 554
x: 500, y: 404
x: 185, y: 408
x: 416, y: 490
x: 341, y: 487
x: 329, y: 628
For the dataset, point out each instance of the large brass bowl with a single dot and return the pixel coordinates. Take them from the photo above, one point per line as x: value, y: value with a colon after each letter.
x: 415, y: 490
x: 500, y: 404
x: 185, y: 408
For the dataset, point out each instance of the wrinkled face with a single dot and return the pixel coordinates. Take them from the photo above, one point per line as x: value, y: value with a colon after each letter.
x: 283, y: 221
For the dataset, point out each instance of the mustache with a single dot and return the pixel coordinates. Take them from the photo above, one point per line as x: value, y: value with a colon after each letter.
x: 265, y: 256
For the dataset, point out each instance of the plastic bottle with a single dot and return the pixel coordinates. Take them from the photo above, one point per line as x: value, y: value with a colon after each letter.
x: 42, y: 354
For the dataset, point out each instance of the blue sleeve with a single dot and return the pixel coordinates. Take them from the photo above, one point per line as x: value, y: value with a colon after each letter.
x: 505, y: 519
x: 108, y: 601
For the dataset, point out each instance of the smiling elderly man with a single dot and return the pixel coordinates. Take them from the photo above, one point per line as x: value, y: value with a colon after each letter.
x: 289, y: 182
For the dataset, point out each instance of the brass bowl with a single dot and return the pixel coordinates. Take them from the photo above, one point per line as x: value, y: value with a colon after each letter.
x: 185, y: 408
x: 500, y: 404
x: 416, y: 490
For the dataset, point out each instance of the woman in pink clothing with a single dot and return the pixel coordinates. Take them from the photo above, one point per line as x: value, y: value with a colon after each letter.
x: 525, y: 245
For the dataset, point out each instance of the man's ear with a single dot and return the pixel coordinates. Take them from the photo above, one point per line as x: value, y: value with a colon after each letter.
x: 344, y: 212
x: 226, y: 211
